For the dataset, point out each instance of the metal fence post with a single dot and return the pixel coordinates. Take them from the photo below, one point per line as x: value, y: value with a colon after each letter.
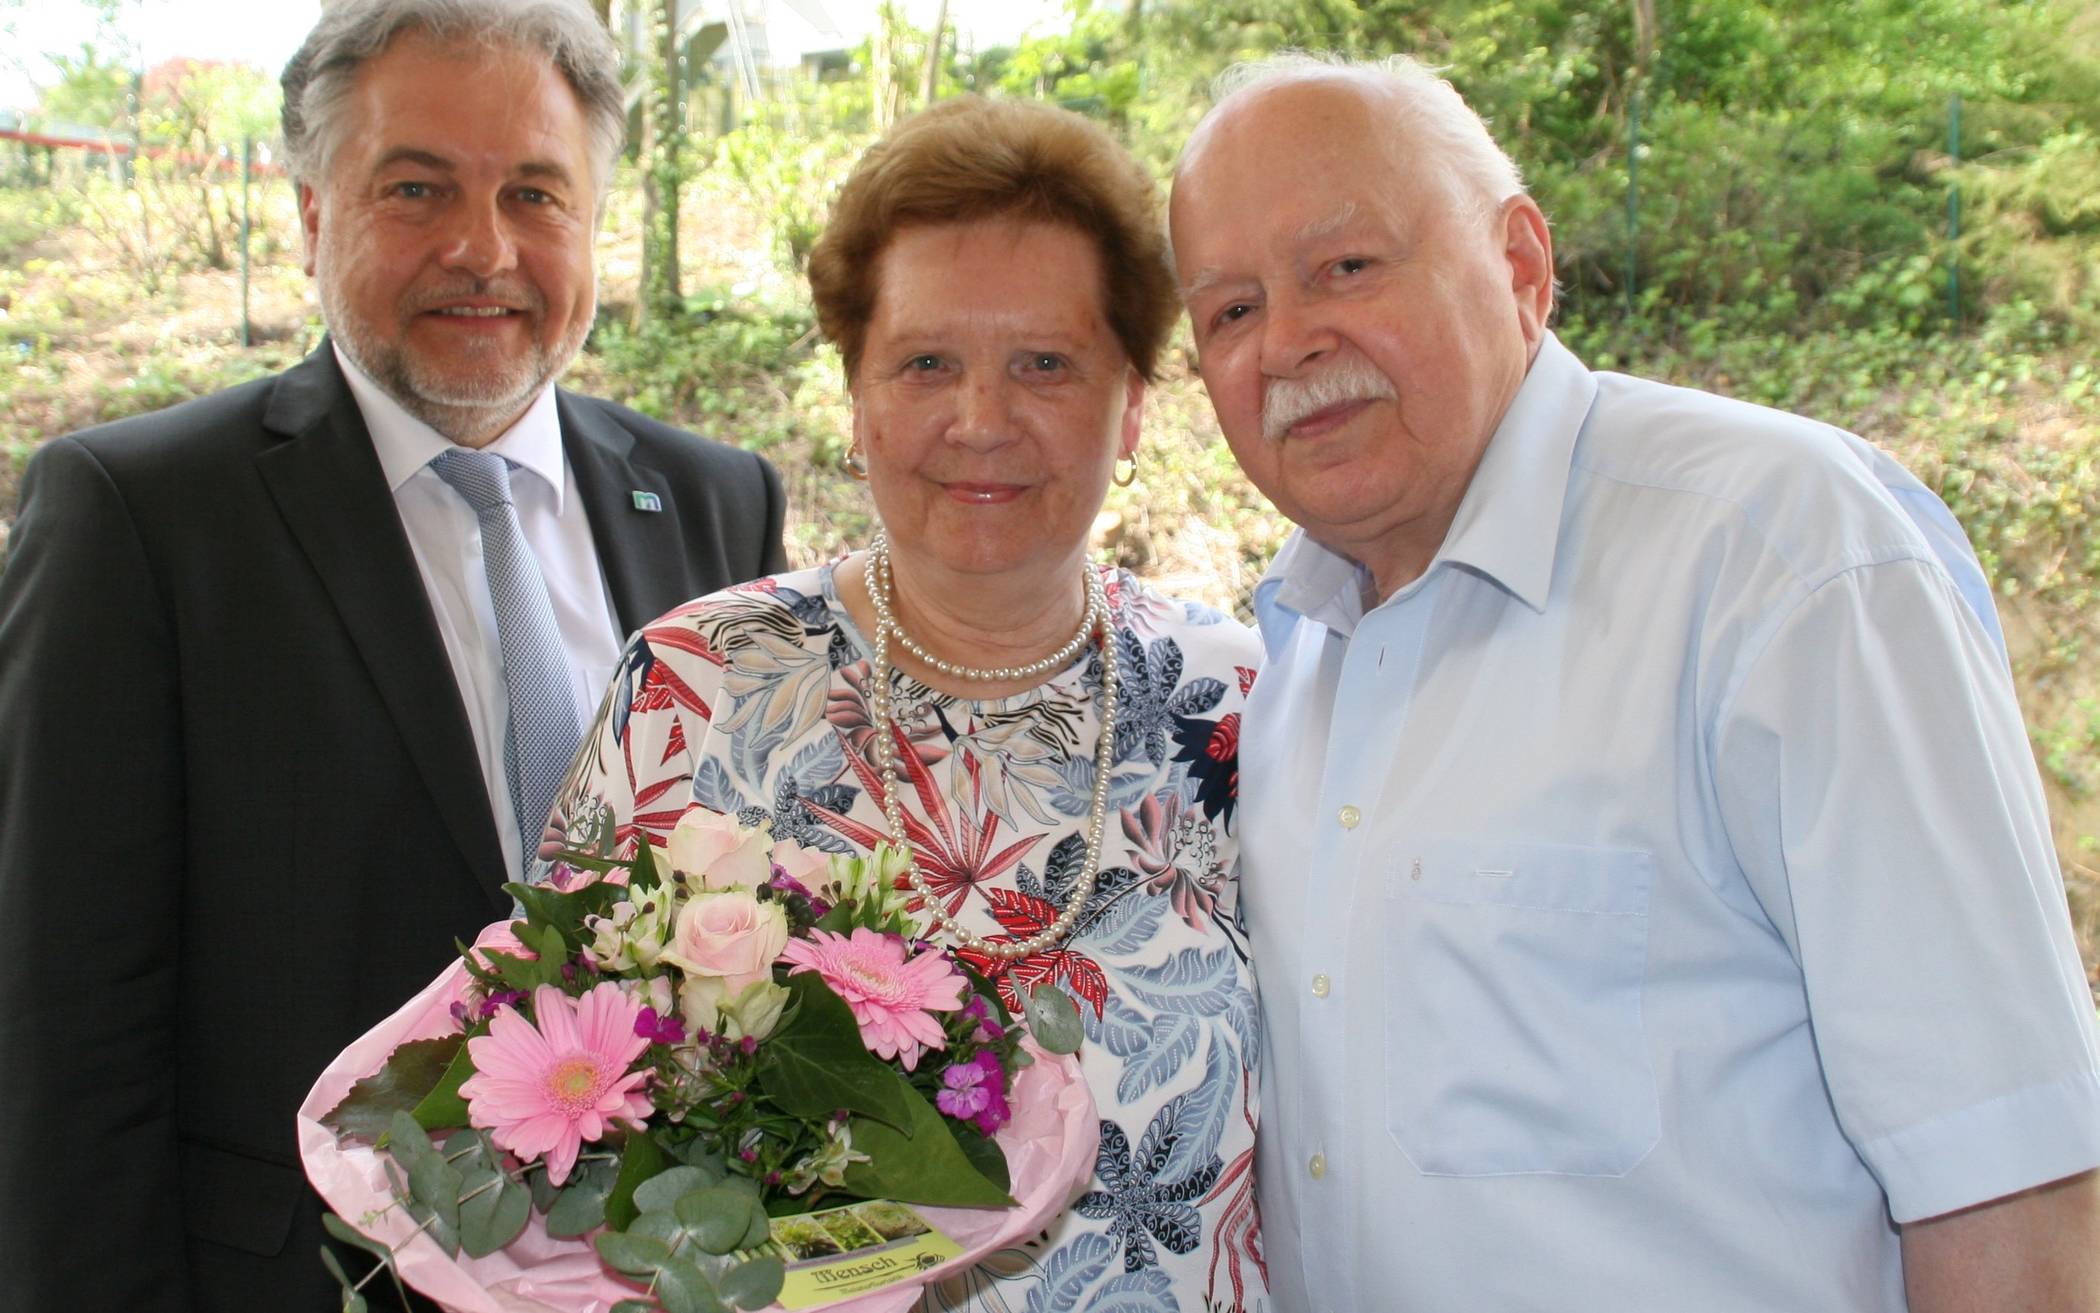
x: 247, y: 166
x: 1633, y: 195
x: 1954, y: 212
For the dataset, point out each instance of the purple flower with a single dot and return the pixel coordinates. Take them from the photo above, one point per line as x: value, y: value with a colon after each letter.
x: 496, y: 1002
x: 996, y: 1112
x: 784, y: 883
x: 658, y: 1029
x: 965, y: 1094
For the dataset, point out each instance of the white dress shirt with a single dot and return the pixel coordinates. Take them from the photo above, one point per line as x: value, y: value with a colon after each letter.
x: 446, y: 538
x: 1655, y: 901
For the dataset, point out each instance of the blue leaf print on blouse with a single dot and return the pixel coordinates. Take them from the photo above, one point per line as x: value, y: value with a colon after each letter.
x: 1140, y: 1204
x: 1149, y: 1291
x: 1196, y: 697
x: 1201, y: 984
x: 1206, y: 1110
x: 714, y: 790
x: 1069, y: 1272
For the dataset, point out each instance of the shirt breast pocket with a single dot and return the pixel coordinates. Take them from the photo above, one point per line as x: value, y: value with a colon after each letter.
x: 1513, y: 1039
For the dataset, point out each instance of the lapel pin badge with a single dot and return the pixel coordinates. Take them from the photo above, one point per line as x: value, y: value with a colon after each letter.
x: 647, y: 501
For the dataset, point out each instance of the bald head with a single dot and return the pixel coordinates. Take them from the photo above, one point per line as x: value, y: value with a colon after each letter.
x: 1367, y: 284
x: 1402, y: 104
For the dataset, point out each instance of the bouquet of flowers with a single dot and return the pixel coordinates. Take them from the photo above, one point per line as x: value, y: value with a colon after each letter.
x: 655, y: 1083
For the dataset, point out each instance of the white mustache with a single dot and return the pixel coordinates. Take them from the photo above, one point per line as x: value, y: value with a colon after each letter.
x: 1289, y: 400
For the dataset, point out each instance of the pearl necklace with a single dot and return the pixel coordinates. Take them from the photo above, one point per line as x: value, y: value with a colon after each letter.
x: 881, y: 718
x: 879, y: 568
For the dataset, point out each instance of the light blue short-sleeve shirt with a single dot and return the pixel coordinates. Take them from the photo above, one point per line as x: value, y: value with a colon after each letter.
x: 1655, y: 899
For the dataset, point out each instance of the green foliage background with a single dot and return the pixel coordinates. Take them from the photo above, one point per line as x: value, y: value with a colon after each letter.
x: 1791, y: 244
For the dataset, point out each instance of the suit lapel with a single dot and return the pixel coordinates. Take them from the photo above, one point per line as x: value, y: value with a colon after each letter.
x: 639, y: 550
x: 328, y: 485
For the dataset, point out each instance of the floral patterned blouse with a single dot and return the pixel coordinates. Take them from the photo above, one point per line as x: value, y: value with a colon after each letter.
x: 751, y: 702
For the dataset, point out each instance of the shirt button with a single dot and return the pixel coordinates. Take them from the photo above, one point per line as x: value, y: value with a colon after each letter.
x: 1349, y: 816
x: 1320, y: 985
x: 1318, y: 1166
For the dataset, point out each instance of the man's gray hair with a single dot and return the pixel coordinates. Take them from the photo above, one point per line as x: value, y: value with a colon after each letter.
x: 1428, y: 108
x: 318, y: 80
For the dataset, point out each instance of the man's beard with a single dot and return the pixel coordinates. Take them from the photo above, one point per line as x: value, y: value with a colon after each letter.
x: 1287, y: 400
x: 470, y: 408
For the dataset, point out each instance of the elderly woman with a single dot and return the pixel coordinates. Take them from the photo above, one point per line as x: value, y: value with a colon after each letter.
x: 1053, y: 741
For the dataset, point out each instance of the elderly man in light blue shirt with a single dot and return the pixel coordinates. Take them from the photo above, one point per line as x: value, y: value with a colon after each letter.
x: 1654, y: 897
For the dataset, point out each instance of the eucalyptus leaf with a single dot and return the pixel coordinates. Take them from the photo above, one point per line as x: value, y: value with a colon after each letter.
x: 636, y: 1306
x: 351, y: 1299
x: 662, y: 1226
x: 355, y: 1238
x: 640, y: 1159
x: 684, y: 1288
x: 718, y: 1218
x: 760, y: 1230
x: 754, y: 1284
x: 579, y: 1207
x: 407, y: 1142
x: 816, y: 1063
x: 1053, y: 1019
x: 636, y: 1255
x: 411, y: 1072
x: 661, y: 1193
x: 925, y: 1166
x: 494, y: 1217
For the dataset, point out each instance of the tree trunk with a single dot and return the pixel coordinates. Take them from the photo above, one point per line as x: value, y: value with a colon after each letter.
x: 1643, y: 35
x: 882, y: 95
x: 930, y: 82
x: 663, y: 151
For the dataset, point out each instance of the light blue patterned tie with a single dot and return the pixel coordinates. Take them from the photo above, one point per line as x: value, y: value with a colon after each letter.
x: 543, y: 732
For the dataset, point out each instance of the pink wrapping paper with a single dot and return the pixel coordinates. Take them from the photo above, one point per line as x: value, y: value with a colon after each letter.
x: 1049, y: 1145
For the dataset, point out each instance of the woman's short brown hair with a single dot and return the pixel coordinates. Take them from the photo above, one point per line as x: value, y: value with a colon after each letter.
x: 972, y: 158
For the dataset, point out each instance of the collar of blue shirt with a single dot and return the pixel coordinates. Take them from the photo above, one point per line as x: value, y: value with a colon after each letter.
x: 1507, y: 527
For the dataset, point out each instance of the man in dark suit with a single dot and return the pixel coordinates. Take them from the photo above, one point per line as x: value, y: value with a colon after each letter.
x: 260, y: 705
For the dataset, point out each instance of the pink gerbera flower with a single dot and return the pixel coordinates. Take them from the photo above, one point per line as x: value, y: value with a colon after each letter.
x: 893, y: 995
x: 543, y: 1090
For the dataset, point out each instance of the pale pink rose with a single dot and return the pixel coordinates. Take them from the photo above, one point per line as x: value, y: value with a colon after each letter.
x: 715, y: 852
x: 729, y: 935
x: 808, y: 867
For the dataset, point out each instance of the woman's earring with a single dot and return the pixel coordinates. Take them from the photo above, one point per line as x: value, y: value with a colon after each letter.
x: 1124, y: 479
x: 856, y: 464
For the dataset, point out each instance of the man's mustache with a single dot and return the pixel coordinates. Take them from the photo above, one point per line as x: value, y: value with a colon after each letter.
x: 1288, y: 400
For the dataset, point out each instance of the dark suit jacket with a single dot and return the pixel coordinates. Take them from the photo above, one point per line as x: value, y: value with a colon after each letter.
x: 241, y: 814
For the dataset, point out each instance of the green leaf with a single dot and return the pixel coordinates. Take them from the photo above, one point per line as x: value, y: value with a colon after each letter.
x: 661, y: 1192
x: 684, y: 1288
x: 488, y: 1221
x: 1053, y: 1019
x: 355, y: 1238
x: 519, y: 973
x: 815, y: 1063
x: 636, y: 1306
x: 351, y: 1299
x: 984, y: 1154
x: 579, y: 1207
x: 925, y: 1166
x: 563, y: 911
x: 410, y: 1073
x: 637, y: 1256
x: 760, y: 1230
x: 640, y: 1159
x: 718, y: 1218
x: 443, y: 1106
x: 642, y: 874
x: 754, y: 1284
